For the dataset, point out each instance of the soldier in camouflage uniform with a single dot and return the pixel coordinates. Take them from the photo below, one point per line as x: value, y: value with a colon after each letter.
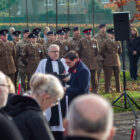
x: 60, y: 41
x: 50, y: 35
x: 40, y: 40
x: 67, y: 39
x: 111, y: 50
x: 100, y: 37
x: 7, y: 55
x: 67, y: 33
x: 88, y: 51
x: 16, y: 36
x: 32, y: 54
x: 75, y: 40
x: 22, y: 67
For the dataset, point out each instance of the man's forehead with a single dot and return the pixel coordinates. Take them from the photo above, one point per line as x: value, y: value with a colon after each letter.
x: 55, y: 48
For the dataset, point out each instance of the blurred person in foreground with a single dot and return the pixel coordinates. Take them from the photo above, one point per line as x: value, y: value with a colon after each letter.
x: 8, y: 130
x: 27, y: 112
x: 90, y: 117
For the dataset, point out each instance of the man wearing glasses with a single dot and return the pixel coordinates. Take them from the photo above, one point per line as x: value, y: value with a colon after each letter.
x: 80, y: 76
x: 54, y: 66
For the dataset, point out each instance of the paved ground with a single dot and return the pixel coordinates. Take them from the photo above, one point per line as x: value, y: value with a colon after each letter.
x: 123, y: 122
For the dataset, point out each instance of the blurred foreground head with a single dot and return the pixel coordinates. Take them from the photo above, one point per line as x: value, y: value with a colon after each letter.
x: 90, y: 116
x: 46, y: 89
x: 4, y: 90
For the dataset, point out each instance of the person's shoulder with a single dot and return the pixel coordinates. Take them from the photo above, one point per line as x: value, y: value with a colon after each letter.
x: 82, y: 66
x: 43, y: 61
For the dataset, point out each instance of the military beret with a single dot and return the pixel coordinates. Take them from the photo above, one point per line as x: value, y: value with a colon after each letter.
x: 66, y: 29
x: 50, y: 33
x: 102, y: 25
x: 87, y: 31
x: 36, y: 30
x: 76, y: 28
x: 26, y: 31
x: 60, y: 32
x: 110, y: 31
x: 16, y: 33
x: 4, y: 32
x: 32, y: 35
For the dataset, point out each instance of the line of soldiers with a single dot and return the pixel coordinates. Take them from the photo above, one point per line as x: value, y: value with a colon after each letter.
x: 20, y: 58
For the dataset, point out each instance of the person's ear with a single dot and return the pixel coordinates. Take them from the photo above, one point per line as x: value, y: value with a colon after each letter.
x: 112, y: 133
x: 65, y: 123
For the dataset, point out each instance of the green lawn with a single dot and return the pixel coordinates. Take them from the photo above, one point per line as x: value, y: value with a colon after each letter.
x: 133, y: 90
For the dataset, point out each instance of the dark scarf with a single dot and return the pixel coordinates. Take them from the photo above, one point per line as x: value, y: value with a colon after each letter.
x: 54, y: 121
x: 49, y: 68
x: 71, y: 70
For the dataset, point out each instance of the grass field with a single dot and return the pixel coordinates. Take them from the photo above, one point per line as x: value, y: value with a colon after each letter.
x: 133, y: 90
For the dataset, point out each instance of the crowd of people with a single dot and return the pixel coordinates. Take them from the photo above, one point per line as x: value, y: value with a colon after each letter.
x: 57, y: 73
x: 20, y: 57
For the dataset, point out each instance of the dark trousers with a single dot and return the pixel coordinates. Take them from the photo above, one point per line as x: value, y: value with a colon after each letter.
x: 108, y: 74
x: 133, y: 66
x: 94, y: 80
x: 58, y: 135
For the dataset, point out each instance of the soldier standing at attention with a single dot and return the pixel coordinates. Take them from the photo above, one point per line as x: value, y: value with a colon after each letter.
x: 39, y: 39
x: 88, y: 50
x: 32, y: 54
x: 66, y: 42
x: 100, y: 37
x: 111, y: 50
x: 60, y: 41
x: 7, y: 55
x: 16, y: 37
x: 50, y: 36
x: 75, y: 40
x: 21, y: 66
x: 67, y: 33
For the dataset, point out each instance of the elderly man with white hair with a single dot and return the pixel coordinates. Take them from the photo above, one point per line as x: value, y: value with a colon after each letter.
x: 8, y: 129
x: 27, y: 112
x: 54, y: 66
x: 90, y: 117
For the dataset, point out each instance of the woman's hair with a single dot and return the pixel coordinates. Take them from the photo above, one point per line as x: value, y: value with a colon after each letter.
x: 11, y: 86
x: 135, y: 29
x: 46, y: 84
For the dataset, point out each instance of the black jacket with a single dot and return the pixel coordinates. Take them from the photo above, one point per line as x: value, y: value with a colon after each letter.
x: 8, y: 130
x: 133, y: 45
x: 28, y: 118
x: 78, y: 138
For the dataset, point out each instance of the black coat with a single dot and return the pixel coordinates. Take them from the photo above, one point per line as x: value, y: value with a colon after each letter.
x: 79, y: 81
x: 133, y: 45
x: 8, y: 130
x: 29, y: 118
